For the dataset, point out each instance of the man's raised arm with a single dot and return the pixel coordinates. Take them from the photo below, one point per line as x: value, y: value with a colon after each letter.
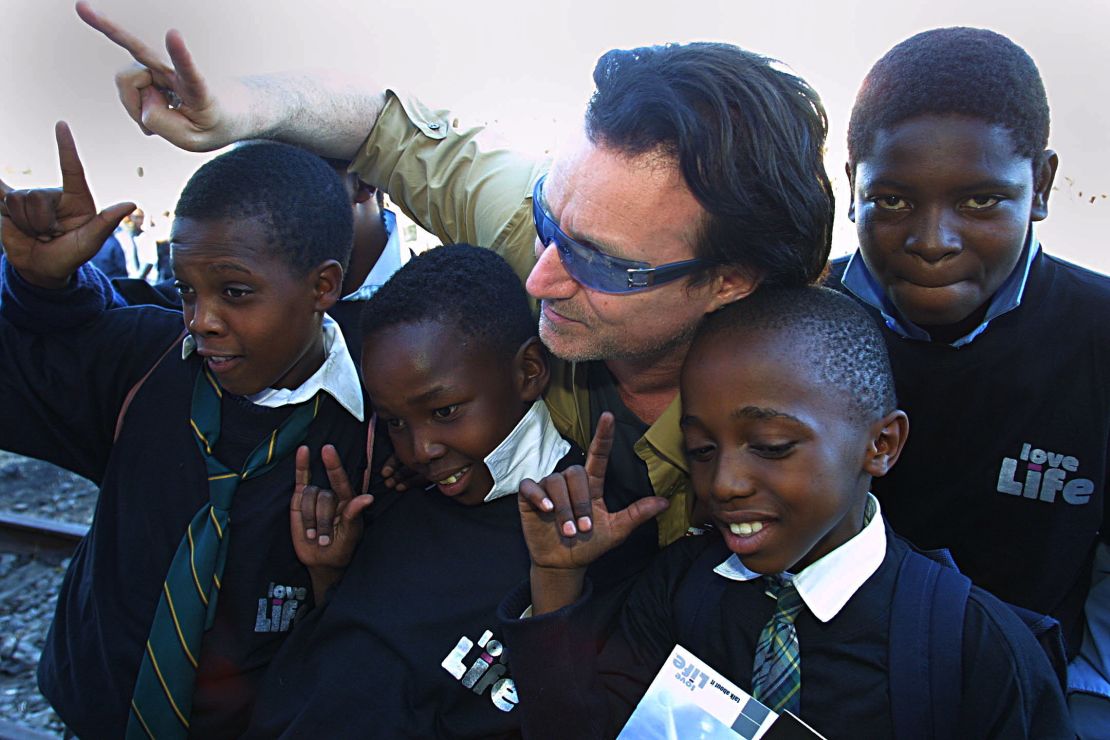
x: 326, y: 112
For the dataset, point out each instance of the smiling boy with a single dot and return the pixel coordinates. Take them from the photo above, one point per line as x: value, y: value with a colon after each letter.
x: 455, y: 371
x: 187, y: 582
x: 788, y: 413
x: 1001, y: 352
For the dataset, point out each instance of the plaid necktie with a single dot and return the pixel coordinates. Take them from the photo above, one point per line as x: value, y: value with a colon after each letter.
x: 163, y: 698
x: 777, y: 672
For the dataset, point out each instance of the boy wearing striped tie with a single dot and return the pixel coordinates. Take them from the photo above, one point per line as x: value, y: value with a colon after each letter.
x: 187, y: 582
x: 788, y: 413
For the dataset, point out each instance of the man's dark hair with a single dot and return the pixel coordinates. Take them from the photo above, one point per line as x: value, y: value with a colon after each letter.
x: 966, y: 71
x: 471, y: 289
x: 748, y: 138
x: 834, y: 337
x: 294, y: 194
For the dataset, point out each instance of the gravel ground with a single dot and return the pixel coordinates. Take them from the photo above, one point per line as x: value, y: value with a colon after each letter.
x: 29, y: 587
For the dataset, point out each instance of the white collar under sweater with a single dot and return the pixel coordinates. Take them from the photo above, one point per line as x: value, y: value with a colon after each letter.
x: 826, y: 585
x: 531, y: 450
x: 337, y: 376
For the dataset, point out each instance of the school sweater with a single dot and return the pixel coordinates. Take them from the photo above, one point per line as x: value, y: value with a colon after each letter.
x: 408, y: 643
x: 62, y: 389
x: 1007, y: 459
x: 568, y: 689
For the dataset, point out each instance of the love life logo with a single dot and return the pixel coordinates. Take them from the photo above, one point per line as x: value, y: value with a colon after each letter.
x: 1042, y: 474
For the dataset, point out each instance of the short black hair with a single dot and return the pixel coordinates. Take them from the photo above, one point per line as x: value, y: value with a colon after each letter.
x: 748, y: 137
x: 832, y: 333
x: 966, y: 71
x: 471, y: 289
x: 297, y: 197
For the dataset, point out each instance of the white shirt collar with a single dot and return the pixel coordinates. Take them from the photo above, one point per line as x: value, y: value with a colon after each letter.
x: 337, y: 376
x: 389, y: 262
x: 826, y: 585
x: 531, y: 450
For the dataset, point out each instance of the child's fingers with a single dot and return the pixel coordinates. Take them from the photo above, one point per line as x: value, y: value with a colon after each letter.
x: 73, y: 172
x: 4, y: 188
x: 130, y: 84
x: 581, y: 503
x: 337, y: 476
x: 597, y: 457
x: 622, y: 523
x: 39, y: 213
x: 326, y: 506
x: 356, y: 506
x: 535, y: 496
x: 301, y: 468
x: 555, y: 486
x: 308, y: 511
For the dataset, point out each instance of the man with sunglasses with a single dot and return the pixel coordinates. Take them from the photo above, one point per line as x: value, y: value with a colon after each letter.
x: 698, y: 177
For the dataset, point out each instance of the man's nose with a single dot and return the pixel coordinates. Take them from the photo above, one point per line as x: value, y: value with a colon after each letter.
x: 549, y: 279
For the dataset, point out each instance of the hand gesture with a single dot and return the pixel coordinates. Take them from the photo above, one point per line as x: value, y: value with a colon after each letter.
x: 564, y: 517
x: 48, y: 233
x: 326, y: 525
x: 171, y: 98
x: 399, y: 476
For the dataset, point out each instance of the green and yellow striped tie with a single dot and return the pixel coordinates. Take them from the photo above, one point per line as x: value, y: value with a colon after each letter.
x: 163, y: 698
x: 777, y: 670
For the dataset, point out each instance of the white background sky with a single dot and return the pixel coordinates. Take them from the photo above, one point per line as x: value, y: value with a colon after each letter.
x: 525, y: 67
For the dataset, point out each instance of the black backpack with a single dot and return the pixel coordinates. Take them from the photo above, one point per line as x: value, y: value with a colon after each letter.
x: 926, y: 637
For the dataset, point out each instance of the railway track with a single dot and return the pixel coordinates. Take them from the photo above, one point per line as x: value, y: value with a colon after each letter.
x: 47, y: 540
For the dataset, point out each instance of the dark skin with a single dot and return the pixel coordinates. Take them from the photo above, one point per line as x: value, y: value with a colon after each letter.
x: 446, y: 403
x: 801, y: 470
x: 942, y: 206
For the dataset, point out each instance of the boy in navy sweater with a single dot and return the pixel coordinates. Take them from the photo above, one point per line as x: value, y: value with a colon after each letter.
x: 1001, y: 352
x: 788, y: 413
x: 455, y: 371
x: 187, y: 582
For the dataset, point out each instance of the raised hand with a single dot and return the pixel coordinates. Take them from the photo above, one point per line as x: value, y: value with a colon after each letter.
x: 170, y: 98
x: 567, y: 525
x: 326, y: 525
x: 47, y: 233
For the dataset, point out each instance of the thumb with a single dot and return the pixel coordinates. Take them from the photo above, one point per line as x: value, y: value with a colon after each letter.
x: 356, y: 506
x: 622, y: 523
x: 94, y: 233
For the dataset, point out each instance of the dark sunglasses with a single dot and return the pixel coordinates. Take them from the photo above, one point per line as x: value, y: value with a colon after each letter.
x: 600, y: 271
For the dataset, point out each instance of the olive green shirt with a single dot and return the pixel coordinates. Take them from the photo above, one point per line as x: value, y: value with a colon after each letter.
x: 460, y: 188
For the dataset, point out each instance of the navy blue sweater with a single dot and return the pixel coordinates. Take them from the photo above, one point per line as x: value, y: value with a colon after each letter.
x: 67, y: 362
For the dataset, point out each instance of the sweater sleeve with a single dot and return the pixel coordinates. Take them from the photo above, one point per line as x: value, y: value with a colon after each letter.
x: 1009, y: 688
x: 67, y: 361
x: 572, y: 682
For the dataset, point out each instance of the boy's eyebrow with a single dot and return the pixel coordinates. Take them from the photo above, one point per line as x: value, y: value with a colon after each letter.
x: 228, y: 266
x: 992, y: 183
x: 432, y: 392
x: 756, y: 412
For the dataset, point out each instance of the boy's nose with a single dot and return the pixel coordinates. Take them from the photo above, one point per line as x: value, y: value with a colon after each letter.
x: 425, y: 449
x: 205, y: 321
x: 549, y: 278
x: 936, y: 236
x: 731, y: 481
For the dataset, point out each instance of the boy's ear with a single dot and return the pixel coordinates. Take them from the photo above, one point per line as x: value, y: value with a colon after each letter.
x: 851, y: 191
x: 327, y: 284
x: 888, y: 436
x: 1044, y: 172
x: 531, y: 369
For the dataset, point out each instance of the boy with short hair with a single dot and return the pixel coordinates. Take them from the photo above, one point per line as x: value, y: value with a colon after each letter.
x: 1001, y: 352
x: 187, y: 582
x: 788, y: 413
x: 455, y: 370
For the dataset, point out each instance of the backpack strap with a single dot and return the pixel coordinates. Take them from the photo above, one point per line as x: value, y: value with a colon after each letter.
x: 926, y: 646
x: 139, y: 384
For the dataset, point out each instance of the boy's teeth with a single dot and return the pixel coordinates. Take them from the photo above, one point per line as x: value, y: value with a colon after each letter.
x: 454, y: 478
x: 745, y: 529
